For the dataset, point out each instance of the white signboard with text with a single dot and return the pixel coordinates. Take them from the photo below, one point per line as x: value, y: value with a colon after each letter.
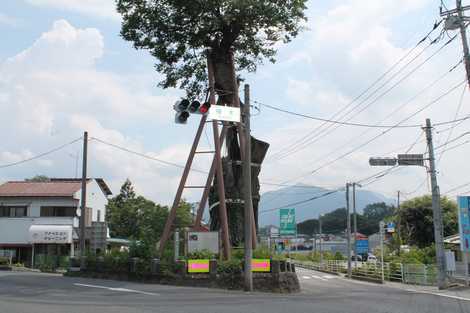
x: 58, y: 234
x: 224, y: 113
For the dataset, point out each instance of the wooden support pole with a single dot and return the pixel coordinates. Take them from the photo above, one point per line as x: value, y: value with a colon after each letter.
x: 210, y: 178
x: 179, y: 192
x: 218, y: 166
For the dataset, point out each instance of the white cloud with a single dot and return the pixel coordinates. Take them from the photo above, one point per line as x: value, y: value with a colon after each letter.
x: 350, y: 45
x: 52, y: 91
x: 98, y: 8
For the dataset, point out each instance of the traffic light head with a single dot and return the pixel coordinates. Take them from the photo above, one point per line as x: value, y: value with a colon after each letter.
x: 205, y: 108
x: 194, y: 106
x: 181, y: 117
x: 181, y: 105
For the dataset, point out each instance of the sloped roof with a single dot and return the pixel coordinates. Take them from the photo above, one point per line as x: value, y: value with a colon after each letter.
x: 39, y: 189
x: 55, y: 187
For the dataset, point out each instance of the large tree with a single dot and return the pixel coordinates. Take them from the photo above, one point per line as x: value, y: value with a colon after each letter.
x: 415, y: 218
x: 237, y: 35
x: 178, y: 32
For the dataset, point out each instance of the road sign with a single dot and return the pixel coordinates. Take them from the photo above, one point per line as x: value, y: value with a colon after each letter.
x: 464, y: 223
x: 287, y: 225
x: 382, y: 161
x: 411, y: 159
x: 362, y: 246
x: 224, y: 113
x: 390, y: 227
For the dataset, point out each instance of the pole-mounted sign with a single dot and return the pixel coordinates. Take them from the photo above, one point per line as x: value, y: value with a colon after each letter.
x: 287, y: 224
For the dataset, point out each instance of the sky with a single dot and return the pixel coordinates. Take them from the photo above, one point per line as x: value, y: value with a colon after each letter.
x: 64, y: 69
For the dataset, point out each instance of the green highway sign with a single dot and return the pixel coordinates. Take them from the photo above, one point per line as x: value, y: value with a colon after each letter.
x: 287, y: 224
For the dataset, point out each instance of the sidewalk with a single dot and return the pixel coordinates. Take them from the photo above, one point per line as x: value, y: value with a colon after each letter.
x: 458, y: 292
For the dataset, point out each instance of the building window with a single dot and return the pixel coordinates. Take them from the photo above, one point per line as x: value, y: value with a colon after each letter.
x: 55, y: 211
x: 13, y: 211
x: 98, y: 215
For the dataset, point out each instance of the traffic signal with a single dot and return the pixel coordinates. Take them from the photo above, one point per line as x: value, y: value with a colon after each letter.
x: 182, y: 114
x: 204, y: 109
x: 184, y: 107
x: 194, y: 106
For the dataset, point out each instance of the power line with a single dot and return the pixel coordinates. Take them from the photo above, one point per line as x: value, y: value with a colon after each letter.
x: 331, y: 121
x: 144, y: 155
x: 325, y: 132
x: 385, y: 131
x: 361, y: 94
x: 40, y: 155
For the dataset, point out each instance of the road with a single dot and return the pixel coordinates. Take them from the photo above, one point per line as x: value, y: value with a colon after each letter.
x: 46, y: 293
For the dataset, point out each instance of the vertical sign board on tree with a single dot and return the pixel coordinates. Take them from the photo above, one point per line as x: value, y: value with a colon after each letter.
x: 464, y: 223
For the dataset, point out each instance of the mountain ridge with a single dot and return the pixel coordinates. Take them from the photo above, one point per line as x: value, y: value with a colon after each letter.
x: 269, y: 215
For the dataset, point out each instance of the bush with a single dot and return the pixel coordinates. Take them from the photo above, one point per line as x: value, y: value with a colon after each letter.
x: 4, y: 261
x: 201, y: 255
x: 233, y: 266
x: 262, y: 252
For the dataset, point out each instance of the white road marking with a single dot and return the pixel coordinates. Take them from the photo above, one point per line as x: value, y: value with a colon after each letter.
x: 329, y: 277
x: 306, y: 277
x: 438, y: 294
x: 320, y: 278
x: 118, y: 289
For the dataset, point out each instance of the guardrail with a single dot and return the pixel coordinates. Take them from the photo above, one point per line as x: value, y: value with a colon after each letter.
x: 414, y: 274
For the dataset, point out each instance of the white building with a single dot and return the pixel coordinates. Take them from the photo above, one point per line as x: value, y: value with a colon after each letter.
x: 39, y: 218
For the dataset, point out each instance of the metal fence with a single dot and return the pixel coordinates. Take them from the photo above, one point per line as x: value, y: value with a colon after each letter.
x: 415, y: 274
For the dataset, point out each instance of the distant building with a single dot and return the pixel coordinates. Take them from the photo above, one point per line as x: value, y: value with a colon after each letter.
x: 39, y: 219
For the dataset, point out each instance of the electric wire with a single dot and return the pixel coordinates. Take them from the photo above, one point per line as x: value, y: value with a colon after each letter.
x: 40, y: 155
x: 145, y: 155
x: 406, y: 55
x: 313, y: 137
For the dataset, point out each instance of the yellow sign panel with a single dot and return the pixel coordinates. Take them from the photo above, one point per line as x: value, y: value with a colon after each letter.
x: 198, y: 266
x: 261, y: 265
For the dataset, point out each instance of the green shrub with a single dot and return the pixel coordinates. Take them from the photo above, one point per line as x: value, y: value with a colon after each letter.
x: 262, y: 252
x: 4, y: 261
x: 201, y: 255
x: 233, y: 266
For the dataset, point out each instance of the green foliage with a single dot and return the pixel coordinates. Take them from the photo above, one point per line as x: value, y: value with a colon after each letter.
x: 201, y: 255
x: 4, y: 261
x: 142, y: 249
x: 178, y: 32
x: 338, y: 256
x: 233, y: 266
x: 134, y: 217
x: 38, y: 178
x: 335, y: 222
x: 415, y: 220
x: 262, y: 252
x: 426, y: 255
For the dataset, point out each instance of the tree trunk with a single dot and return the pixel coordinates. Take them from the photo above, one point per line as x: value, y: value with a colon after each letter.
x: 226, y: 87
x: 233, y: 180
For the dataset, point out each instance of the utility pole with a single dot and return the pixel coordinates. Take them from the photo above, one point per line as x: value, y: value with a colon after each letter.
x: 83, y: 201
x: 382, y: 226
x: 463, y: 34
x: 355, y: 223
x: 456, y: 19
x: 399, y: 222
x: 437, y: 213
x: 248, y: 243
x: 348, y: 230
x: 320, y: 230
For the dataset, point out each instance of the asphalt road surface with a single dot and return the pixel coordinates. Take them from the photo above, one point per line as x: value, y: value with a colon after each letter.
x: 322, y: 293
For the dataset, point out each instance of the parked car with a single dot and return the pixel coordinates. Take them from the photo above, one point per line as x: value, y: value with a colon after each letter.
x: 371, y: 258
x: 356, y: 258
